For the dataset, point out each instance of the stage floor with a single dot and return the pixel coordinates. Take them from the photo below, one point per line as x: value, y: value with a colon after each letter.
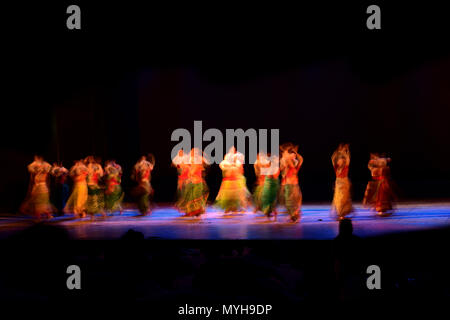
x: 316, y: 223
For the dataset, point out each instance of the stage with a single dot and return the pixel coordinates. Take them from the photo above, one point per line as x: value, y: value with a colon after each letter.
x: 316, y: 223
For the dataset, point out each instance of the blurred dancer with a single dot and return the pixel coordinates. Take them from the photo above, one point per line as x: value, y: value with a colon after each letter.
x: 342, y: 201
x: 270, y: 168
x: 259, y: 184
x: 78, y: 199
x: 196, y: 191
x: 233, y: 193
x: 379, y: 194
x: 37, y: 202
x: 61, y: 188
x: 113, y: 191
x: 96, y: 199
x: 181, y: 162
x: 142, y: 175
x: 291, y: 195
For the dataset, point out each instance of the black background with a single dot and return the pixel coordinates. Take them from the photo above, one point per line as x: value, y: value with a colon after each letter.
x: 118, y: 87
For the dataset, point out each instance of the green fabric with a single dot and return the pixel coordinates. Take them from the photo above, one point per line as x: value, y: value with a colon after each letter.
x: 196, y: 195
x: 269, y: 195
x: 144, y: 191
x: 257, y: 197
x: 95, y: 201
x: 113, y: 200
x: 292, y: 198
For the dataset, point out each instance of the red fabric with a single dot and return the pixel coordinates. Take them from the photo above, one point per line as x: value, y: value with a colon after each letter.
x: 229, y: 178
x: 343, y: 173
x: 95, y: 178
x: 183, y: 175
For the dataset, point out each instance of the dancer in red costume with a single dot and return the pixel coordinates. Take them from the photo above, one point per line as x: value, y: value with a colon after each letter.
x: 379, y: 194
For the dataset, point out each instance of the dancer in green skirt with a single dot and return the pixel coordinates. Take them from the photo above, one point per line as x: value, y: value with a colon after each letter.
x: 95, y: 201
x: 142, y: 175
x: 270, y: 168
x: 195, y: 193
x: 113, y: 191
x: 259, y: 184
x: 290, y: 194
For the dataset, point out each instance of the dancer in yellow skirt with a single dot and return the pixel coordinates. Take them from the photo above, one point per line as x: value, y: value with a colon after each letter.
x: 233, y: 193
x: 78, y: 199
x: 37, y: 202
x: 342, y: 200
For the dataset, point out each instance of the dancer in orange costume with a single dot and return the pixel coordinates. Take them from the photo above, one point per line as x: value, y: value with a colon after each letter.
x: 142, y: 175
x: 196, y: 191
x: 181, y: 162
x: 290, y: 195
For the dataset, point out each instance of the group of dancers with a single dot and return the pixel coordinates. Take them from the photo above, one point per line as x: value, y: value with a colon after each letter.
x: 97, y: 190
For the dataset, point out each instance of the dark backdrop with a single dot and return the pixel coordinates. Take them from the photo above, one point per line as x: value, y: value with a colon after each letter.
x: 121, y: 85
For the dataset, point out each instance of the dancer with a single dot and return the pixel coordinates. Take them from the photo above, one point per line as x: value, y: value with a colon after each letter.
x: 342, y: 201
x: 233, y: 193
x: 270, y: 168
x: 379, y: 194
x: 113, y: 191
x: 259, y: 184
x: 142, y: 175
x: 37, y: 202
x: 290, y: 195
x: 78, y: 199
x: 61, y: 188
x: 196, y: 191
x: 181, y: 162
x: 96, y: 200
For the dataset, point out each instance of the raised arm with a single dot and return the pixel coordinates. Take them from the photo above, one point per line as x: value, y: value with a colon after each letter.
x: 300, y: 160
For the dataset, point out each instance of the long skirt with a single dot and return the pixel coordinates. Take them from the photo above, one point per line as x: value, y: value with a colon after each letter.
x: 61, y: 194
x: 257, y: 197
x: 269, y: 195
x: 96, y: 200
x: 113, y: 198
x: 379, y: 195
x: 78, y: 199
x: 342, y: 200
x: 142, y: 193
x: 196, y: 196
x: 38, y: 202
x: 291, y: 198
x: 181, y: 194
x: 233, y: 194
